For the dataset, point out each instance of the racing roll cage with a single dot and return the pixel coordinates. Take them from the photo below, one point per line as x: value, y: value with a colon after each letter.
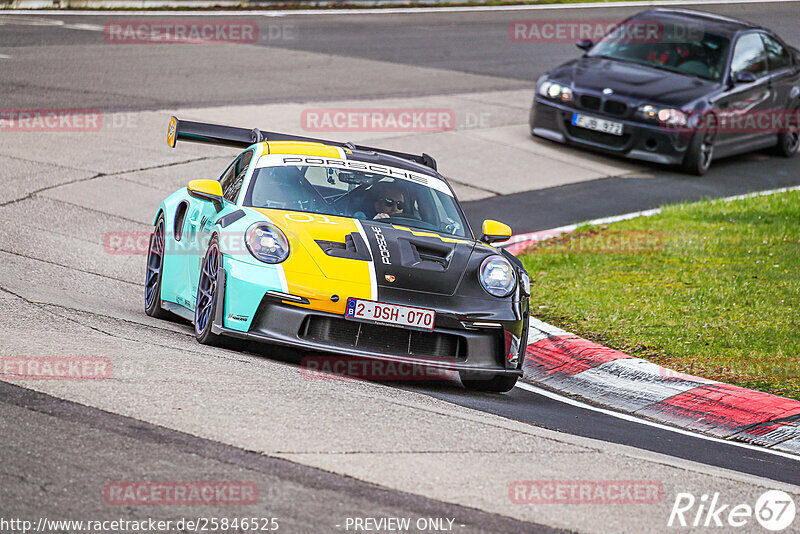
x: 215, y: 134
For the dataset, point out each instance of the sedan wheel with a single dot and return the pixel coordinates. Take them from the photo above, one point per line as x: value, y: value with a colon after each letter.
x: 789, y: 140
x: 701, y: 148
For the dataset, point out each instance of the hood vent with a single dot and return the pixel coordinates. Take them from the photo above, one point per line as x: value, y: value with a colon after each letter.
x: 353, y: 248
x: 426, y: 254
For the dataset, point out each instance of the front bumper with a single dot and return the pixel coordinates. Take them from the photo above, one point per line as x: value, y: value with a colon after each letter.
x: 646, y: 142
x: 454, y: 343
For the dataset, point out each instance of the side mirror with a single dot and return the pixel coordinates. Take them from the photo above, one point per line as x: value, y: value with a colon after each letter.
x: 495, y: 232
x: 209, y: 190
x: 584, y: 44
x: 744, y: 77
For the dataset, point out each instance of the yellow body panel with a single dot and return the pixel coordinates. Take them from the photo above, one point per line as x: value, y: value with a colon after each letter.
x: 172, y: 130
x: 423, y: 233
x: 496, y: 231
x: 310, y: 272
x: 208, y: 187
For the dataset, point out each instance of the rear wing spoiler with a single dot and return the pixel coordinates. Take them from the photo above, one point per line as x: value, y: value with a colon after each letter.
x: 214, y: 134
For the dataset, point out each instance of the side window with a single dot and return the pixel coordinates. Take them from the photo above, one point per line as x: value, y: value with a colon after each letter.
x: 227, y: 176
x: 777, y: 56
x: 749, y: 56
x: 233, y: 178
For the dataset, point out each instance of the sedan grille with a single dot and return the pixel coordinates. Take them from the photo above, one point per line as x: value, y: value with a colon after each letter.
x: 615, y: 107
x: 590, y: 102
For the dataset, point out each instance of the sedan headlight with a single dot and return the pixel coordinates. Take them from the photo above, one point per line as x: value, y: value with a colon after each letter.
x: 497, y: 276
x: 668, y: 116
x: 267, y: 243
x: 556, y: 91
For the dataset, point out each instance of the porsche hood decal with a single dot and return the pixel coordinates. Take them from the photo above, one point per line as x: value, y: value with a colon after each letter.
x: 396, y: 258
x: 422, y: 261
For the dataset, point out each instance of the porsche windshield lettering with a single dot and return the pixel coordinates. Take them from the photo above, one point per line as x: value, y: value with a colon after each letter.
x: 360, y: 165
x: 353, y: 189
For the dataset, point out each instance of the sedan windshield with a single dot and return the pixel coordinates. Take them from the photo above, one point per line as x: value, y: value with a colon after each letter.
x: 681, y: 46
x: 358, y: 194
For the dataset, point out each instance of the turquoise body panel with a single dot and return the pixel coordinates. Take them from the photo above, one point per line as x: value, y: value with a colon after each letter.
x: 247, y: 279
x: 245, y: 286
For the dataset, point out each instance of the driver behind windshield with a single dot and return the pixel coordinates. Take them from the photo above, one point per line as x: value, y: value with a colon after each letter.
x: 384, y: 200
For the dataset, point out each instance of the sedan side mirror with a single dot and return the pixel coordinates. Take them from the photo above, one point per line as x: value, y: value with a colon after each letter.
x: 584, y: 44
x: 209, y: 190
x: 495, y: 232
x: 744, y: 77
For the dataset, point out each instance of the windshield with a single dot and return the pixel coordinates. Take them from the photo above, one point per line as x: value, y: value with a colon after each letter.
x: 358, y: 194
x: 677, y: 46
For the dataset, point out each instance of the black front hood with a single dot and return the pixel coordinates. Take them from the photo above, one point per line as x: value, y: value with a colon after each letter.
x: 633, y: 82
x: 419, y: 261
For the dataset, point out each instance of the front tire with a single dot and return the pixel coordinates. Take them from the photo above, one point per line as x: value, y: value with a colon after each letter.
x: 495, y: 384
x: 155, y: 271
x: 701, y: 148
x: 789, y: 141
x: 208, y: 293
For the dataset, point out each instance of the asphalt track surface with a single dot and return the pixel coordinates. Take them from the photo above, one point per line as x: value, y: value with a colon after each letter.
x: 440, y: 54
x: 92, y: 436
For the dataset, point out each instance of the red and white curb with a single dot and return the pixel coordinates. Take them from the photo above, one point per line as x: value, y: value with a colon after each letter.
x: 577, y: 367
x: 566, y: 363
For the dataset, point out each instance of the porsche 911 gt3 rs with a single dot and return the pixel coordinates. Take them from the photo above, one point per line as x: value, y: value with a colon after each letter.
x: 339, y: 248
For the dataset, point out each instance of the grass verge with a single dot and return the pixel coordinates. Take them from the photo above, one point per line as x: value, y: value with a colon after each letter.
x: 710, y: 288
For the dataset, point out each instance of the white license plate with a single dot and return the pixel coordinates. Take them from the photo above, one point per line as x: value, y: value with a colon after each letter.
x: 598, y: 125
x: 367, y: 310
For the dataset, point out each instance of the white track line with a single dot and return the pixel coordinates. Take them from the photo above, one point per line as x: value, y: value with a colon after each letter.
x: 648, y: 213
x: 641, y: 421
x: 388, y: 11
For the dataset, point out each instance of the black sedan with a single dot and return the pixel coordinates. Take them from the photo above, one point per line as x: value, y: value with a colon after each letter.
x: 675, y: 87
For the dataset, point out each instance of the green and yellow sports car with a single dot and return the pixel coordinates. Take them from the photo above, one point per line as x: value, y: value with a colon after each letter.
x: 339, y: 248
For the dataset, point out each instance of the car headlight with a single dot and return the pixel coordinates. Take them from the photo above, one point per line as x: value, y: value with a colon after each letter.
x: 497, y: 276
x: 267, y: 243
x: 668, y: 116
x: 556, y: 91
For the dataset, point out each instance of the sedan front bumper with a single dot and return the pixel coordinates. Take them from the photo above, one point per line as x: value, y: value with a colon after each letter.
x: 639, y: 140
